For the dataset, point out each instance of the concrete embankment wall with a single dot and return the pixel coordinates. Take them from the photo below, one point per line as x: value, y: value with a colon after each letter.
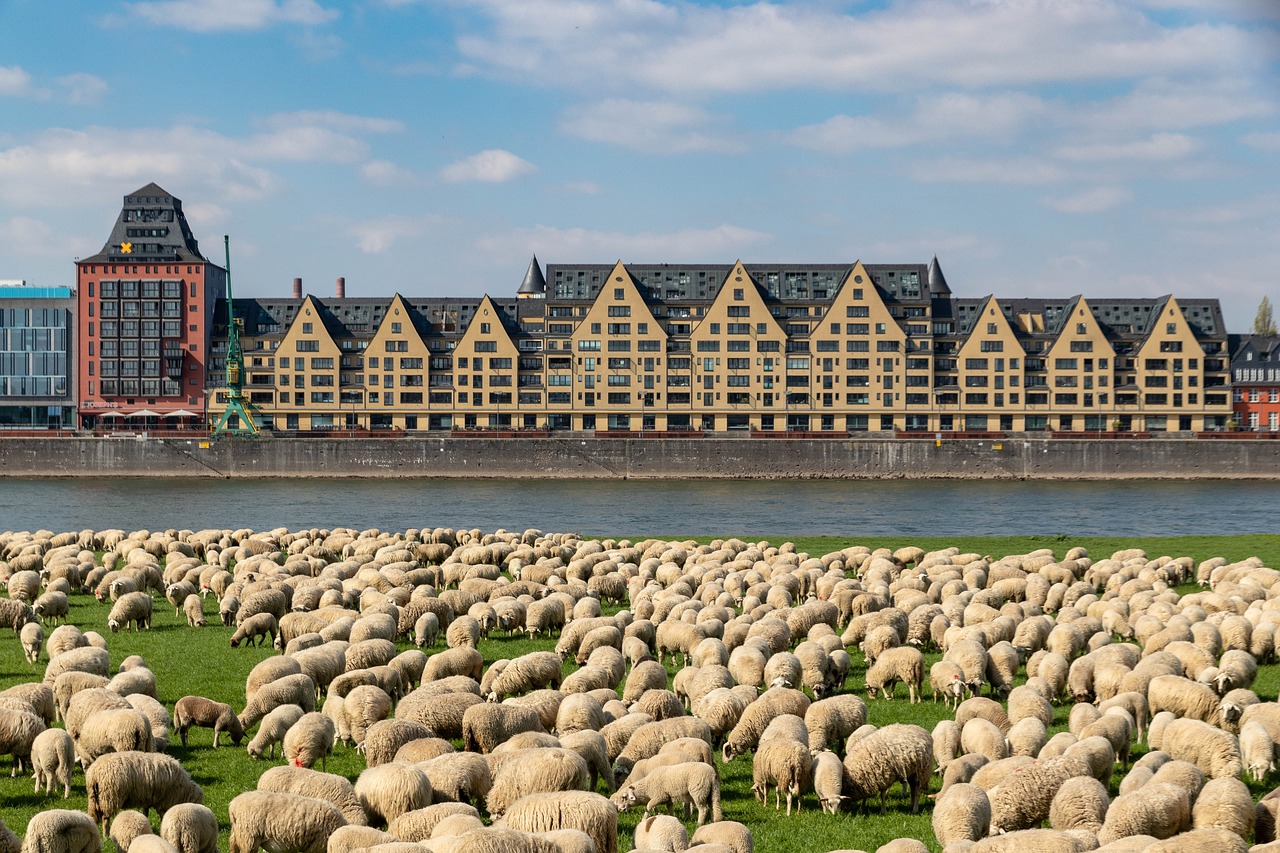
x: 588, y: 457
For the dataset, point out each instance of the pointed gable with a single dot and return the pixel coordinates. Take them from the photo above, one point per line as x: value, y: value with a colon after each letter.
x: 398, y: 350
x: 619, y: 311
x: 1080, y: 333
x: 486, y: 359
x: 740, y: 301
x: 308, y: 360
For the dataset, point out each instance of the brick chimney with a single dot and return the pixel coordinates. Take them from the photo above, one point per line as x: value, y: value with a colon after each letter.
x: 342, y: 288
x: 297, y: 288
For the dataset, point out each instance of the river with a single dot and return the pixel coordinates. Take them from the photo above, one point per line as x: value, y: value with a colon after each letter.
x: 652, y: 508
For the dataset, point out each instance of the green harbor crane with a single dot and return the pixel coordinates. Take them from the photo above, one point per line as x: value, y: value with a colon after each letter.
x: 235, y: 418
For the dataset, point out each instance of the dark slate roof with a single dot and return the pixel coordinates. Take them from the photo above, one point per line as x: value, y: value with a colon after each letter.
x: 359, y: 317
x: 154, y: 228
x: 937, y: 281
x: 1266, y: 348
x: 533, y: 283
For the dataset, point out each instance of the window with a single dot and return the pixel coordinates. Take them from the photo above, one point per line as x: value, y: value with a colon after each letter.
x: 708, y: 346
x: 991, y: 346
x: 856, y: 328
x: 975, y: 364
x: 619, y: 310
x: 306, y: 328
x: 739, y: 294
x: 1082, y: 346
x: 619, y: 328
x: 481, y: 346
x: 586, y: 346
x: 739, y: 310
x: 1066, y: 364
x: 322, y: 364
x: 619, y: 293
x: 308, y: 346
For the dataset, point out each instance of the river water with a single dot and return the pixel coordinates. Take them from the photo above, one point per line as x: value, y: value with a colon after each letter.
x: 652, y: 508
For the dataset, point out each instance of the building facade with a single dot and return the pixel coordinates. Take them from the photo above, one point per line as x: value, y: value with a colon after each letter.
x: 37, y: 356
x: 145, y: 307
x: 1255, y: 382
x: 827, y: 349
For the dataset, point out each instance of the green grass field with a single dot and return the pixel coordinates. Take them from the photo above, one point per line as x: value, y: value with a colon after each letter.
x: 200, y: 661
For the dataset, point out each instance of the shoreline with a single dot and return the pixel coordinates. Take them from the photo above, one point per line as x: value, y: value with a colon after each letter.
x: 590, y: 458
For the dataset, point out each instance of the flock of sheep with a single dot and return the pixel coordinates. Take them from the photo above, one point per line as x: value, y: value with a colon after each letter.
x: 765, y: 639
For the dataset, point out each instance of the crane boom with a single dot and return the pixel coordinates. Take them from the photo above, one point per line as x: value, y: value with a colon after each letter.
x: 235, y: 418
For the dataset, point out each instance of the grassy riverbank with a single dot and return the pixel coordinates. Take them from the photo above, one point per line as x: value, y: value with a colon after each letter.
x: 200, y: 661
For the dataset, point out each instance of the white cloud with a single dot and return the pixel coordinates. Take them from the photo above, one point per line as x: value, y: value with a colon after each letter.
x: 14, y: 81
x: 1094, y: 200
x: 587, y: 246
x: 694, y: 48
x: 1166, y: 104
x: 335, y: 120
x: 1159, y: 147
x: 83, y: 89
x: 494, y: 166
x: 939, y: 118
x: 384, y: 173
x: 1262, y: 141
x: 375, y: 236
x: 1015, y: 170
x: 204, y: 16
x: 26, y: 237
x: 60, y: 167
x: 652, y: 127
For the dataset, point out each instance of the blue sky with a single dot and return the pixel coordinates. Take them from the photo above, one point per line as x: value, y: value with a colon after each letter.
x: 429, y: 147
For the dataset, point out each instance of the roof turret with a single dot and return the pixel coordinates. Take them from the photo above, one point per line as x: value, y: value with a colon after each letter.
x: 937, y: 281
x: 534, y: 284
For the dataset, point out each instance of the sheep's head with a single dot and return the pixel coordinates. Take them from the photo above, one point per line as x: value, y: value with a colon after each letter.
x: 729, y: 750
x: 625, y: 798
x: 114, y: 625
x: 780, y: 681
x: 1230, y: 712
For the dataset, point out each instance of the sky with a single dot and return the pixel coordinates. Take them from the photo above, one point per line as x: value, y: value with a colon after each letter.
x: 1111, y: 148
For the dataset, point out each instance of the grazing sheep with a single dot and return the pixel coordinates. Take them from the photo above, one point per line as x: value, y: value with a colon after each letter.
x: 1080, y: 803
x: 689, y: 784
x: 528, y: 771
x: 946, y: 679
x: 284, y: 822
x: 256, y: 629
x: 190, y: 828
x: 903, y: 663
x: 1025, y: 799
x: 463, y: 660
x: 145, y: 780
x: 389, y: 790
x: 53, y: 757
x: 486, y: 725
x: 296, y: 689
x: 774, y: 702
x: 90, y: 659
x: 127, y: 826
x: 1214, y: 751
x: 662, y: 833
x: 890, y: 754
x: 131, y: 609
x: 1224, y: 804
x: 384, y: 739
x: 830, y: 721
x: 650, y: 737
x: 61, y: 831
x: 461, y: 777
x: 194, y: 608
x: 312, y: 783
x: 963, y: 813
x: 1184, y: 697
x: 787, y: 765
x: 112, y: 730
x: 272, y: 730
x: 589, y: 813
x: 309, y: 740
x: 1156, y: 809
x: 206, y: 714
x: 18, y: 732
x: 419, y: 824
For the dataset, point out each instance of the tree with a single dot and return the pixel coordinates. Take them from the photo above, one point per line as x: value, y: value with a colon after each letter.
x: 1264, y: 323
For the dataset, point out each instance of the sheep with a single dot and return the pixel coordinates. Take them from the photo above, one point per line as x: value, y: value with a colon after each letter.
x: 206, y: 714
x: 1156, y: 809
x: 661, y: 832
x: 389, y: 790
x: 88, y: 659
x: 310, y: 739
x: 277, y: 821
x: 690, y: 784
x: 32, y: 638
x: 589, y: 813
x: 348, y: 839
x: 830, y: 721
x: 145, y: 780
x: 420, y: 824
x: 1026, y: 737
x: 18, y: 731
x: 61, y: 831
x: 1236, y: 669
x: 946, y: 679
x: 903, y: 663
x: 53, y: 758
x: 1214, y: 751
x: 39, y: 696
x: 1257, y: 751
x: 528, y: 771
x: 1025, y: 799
x: 126, y: 827
x: 963, y: 813
x: 463, y: 660
x: 1080, y: 803
x: 442, y: 713
x: 486, y: 725
x: 296, y: 689
x: 14, y: 614
x: 772, y: 703
x: 384, y: 738
x: 426, y: 629
x: 1224, y: 804
x: 787, y: 765
x: 364, y: 706
x: 458, y: 777
x: 256, y: 630
x: 1185, y: 698
x: 193, y: 607
x: 228, y: 607
x: 190, y: 828
x: 1117, y: 727
x: 131, y: 610
x: 896, y: 752
x: 985, y: 738
x: 312, y: 783
x: 112, y: 730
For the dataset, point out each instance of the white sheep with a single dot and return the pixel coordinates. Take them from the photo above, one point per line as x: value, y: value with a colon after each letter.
x: 18, y: 731
x: 962, y: 813
x: 190, y: 828
x: 689, y: 784
x: 309, y: 740
x: 53, y: 757
x: 272, y: 730
x: 312, y: 783
x: 131, y: 610
x: 1224, y: 803
x: 193, y: 607
x: 586, y: 812
x: 899, y: 664
x: 32, y: 638
x: 786, y: 765
x: 126, y: 827
x: 389, y: 790
x: 897, y: 752
x: 144, y: 780
x: 662, y: 833
x: 1257, y: 751
x: 61, y: 831
x: 276, y: 821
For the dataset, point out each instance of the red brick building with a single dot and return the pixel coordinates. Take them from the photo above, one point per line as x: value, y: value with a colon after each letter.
x: 145, y: 307
x: 1255, y: 382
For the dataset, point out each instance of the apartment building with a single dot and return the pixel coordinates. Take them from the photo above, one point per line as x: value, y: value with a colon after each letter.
x: 144, y: 310
x: 827, y: 349
x: 37, y: 356
x: 1255, y: 382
